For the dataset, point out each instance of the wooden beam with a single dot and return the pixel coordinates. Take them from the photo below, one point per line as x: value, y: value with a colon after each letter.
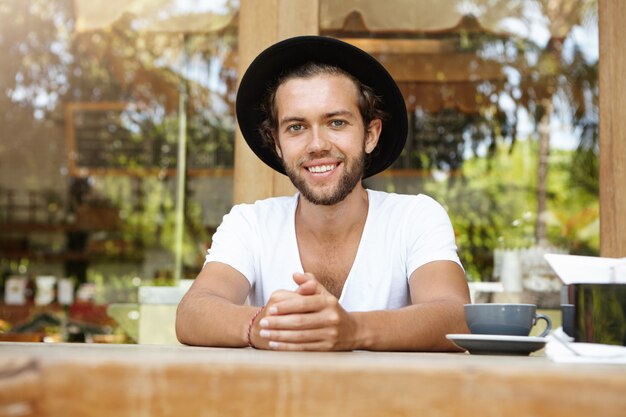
x: 455, y: 67
x: 612, y: 15
x: 262, y: 23
x: 402, y: 46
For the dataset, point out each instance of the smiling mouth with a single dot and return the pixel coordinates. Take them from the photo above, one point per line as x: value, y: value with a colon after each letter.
x: 320, y: 169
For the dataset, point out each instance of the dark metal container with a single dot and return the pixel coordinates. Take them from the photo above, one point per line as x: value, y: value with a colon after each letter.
x: 598, y: 314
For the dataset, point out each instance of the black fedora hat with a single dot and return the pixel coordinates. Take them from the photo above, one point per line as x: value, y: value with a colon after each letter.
x: 264, y: 71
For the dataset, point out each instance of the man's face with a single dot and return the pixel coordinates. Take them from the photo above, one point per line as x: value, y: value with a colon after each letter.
x: 321, y: 137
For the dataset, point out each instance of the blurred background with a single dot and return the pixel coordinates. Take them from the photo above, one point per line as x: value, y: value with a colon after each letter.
x: 117, y: 144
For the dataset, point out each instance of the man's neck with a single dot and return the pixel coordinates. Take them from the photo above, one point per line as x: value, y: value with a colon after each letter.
x: 334, y: 222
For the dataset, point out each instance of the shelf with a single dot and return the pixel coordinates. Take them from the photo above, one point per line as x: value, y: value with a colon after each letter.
x: 15, y: 249
x: 87, y: 227
x: 37, y: 227
x: 85, y: 312
x: 69, y: 256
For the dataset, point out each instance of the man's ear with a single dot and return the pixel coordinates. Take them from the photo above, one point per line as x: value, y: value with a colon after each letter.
x: 372, y: 135
x: 279, y: 152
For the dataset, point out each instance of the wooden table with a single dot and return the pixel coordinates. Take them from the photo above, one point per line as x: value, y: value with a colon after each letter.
x: 74, y: 380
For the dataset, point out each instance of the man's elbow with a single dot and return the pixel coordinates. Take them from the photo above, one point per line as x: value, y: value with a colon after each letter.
x: 181, y: 325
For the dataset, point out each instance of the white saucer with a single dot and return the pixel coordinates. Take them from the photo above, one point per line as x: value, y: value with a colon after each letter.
x: 488, y: 344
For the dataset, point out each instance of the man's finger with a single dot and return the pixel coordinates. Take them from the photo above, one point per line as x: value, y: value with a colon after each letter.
x: 297, y: 305
x: 308, y: 288
x: 320, y: 346
x: 307, y: 284
x: 280, y: 295
x: 294, y: 336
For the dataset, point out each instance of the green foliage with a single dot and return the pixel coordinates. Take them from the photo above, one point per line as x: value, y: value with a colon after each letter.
x: 492, y: 203
x: 147, y: 209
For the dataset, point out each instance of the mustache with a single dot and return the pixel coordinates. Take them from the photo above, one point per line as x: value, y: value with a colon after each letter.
x: 323, y: 154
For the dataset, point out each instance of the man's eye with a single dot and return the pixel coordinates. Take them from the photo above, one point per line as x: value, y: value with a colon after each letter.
x: 295, y: 128
x: 337, y: 123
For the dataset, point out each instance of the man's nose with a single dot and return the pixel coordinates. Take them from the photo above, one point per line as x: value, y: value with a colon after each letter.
x: 318, y: 140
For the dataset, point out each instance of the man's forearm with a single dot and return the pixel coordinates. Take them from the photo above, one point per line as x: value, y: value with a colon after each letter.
x: 420, y: 327
x: 208, y: 320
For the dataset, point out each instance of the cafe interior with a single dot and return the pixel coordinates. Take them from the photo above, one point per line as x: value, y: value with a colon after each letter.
x: 120, y: 154
x: 119, y: 149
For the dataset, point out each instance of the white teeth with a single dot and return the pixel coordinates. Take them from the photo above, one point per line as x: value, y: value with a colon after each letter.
x: 321, y: 168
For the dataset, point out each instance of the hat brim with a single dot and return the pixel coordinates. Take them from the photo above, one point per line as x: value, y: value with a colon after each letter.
x: 264, y: 71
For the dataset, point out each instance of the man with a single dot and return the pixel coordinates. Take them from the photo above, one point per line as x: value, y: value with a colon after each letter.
x: 335, y: 267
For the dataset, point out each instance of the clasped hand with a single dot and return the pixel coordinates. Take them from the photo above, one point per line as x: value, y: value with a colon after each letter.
x: 309, y: 318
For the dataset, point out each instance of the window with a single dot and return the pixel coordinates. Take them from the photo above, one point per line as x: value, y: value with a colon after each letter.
x: 503, y: 108
x: 97, y: 100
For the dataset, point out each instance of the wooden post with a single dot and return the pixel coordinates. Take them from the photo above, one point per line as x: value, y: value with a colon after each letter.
x: 262, y: 23
x: 542, y: 175
x: 612, y: 15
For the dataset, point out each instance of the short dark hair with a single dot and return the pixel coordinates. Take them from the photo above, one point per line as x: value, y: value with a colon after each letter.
x: 370, y: 105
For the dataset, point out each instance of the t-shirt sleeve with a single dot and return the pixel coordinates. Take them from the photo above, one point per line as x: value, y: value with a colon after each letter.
x: 234, y: 241
x: 431, y: 236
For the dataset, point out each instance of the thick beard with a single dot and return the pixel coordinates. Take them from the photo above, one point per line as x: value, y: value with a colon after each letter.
x: 351, y: 177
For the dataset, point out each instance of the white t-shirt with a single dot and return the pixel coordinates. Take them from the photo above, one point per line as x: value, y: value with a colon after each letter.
x: 401, y: 233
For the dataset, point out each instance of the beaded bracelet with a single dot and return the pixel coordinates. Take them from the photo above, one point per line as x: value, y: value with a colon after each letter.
x: 252, y: 324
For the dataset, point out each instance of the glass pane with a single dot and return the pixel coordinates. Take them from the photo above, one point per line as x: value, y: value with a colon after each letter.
x: 95, y: 101
x: 503, y: 109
